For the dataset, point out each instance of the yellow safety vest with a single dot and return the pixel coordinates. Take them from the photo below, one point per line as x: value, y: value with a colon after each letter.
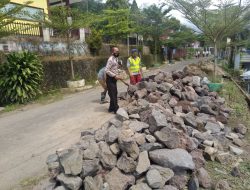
x: 134, y: 64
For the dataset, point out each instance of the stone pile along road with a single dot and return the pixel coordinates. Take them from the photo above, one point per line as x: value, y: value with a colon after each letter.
x: 28, y: 136
x: 169, y: 125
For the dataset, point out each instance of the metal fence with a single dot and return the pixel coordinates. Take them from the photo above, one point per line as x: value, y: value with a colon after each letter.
x: 24, y: 29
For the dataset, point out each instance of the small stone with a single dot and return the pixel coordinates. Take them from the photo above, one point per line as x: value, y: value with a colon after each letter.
x: 135, y: 116
x: 154, y: 179
x: 238, y: 142
x: 241, y: 129
x: 90, y: 167
x: 126, y: 164
x: 143, y: 162
x: 208, y: 143
x: 116, y: 122
x: 236, y: 172
x: 92, y: 151
x: 112, y: 134
x: 193, y: 183
x: 157, y: 120
x: 89, y: 183
x: 87, y: 132
x: 107, y: 158
x: 213, y: 127
x: 204, y: 178
x: 235, y: 150
x: 119, y: 181
x: 210, y: 153
x: 222, y: 185
x: 73, y: 183
x: 122, y: 114
x: 137, y: 126
x: 139, y: 94
x: 172, y: 102
x: 224, y: 158
x: 206, y: 109
x: 198, y: 158
x: 169, y: 187
x: 150, y: 146
x: 150, y: 138
x: 140, y: 186
x: 166, y: 173
x: 179, y: 181
x: 100, y: 135
x: 140, y: 138
x: 115, y: 148
x: 232, y: 136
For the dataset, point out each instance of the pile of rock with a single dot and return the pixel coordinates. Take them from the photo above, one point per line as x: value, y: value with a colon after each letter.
x: 160, y: 140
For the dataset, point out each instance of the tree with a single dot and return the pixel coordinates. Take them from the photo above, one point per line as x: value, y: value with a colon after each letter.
x: 114, y: 23
x: 94, y: 41
x: 155, y: 22
x: 91, y: 6
x: 117, y: 4
x: 8, y: 16
x: 63, y: 20
x: 215, y: 20
x: 134, y: 7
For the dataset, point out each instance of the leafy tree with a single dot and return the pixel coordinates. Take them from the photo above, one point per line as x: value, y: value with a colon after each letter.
x: 7, y: 16
x: 91, y: 6
x: 155, y: 22
x: 63, y: 20
x: 117, y: 4
x: 216, y: 20
x: 134, y: 7
x: 95, y: 41
x: 114, y: 23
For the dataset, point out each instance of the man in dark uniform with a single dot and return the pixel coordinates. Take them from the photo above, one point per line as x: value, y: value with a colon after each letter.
x: 111, y: 79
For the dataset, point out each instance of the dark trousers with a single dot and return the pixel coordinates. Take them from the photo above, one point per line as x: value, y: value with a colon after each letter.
x: 112, y: 91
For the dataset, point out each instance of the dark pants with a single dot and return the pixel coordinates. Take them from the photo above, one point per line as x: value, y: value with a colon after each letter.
x: 112, y: 91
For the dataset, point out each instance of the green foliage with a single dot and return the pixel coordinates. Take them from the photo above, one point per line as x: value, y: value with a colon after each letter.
x: 20, y: 78
x: 93, y: 6
x: 94, y: 41
x: 117, y: 4
x: 114, y: 23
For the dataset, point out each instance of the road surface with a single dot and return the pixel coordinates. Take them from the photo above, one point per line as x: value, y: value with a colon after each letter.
x: 27, y: 137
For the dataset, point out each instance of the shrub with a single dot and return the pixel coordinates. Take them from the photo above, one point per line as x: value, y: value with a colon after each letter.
x: 94, y: 41
x: 20, y: 78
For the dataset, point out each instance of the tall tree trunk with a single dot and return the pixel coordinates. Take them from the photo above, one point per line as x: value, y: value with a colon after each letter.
x: 231, y: 56
x: 155, y: 52
x: 215, y: 57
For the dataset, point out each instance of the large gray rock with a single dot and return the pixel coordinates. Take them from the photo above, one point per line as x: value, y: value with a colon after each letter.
x: 154, y: 179
x: 157, y: 120
x: 119, y: 181
x: 92, y: 151
x: 151, y: 86
x: 143, y: 162
x: 107, y: 158
x: 72, y: 161
x: 140, y: 186
x: 122, y: 114
x: 126, y: 164
x: 128, y: 144
x: 170, y: 137
x: 175, y: 159
x: 137, y: 126
x: 100, y: 134
x: 90, y: 167
x: 73, y: 183
x: 140, y: 138
x: 112, y: 134
x: 166, y: 173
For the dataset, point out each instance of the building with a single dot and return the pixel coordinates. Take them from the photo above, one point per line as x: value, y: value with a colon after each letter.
x: 26, y: 23
x: 64, y: 2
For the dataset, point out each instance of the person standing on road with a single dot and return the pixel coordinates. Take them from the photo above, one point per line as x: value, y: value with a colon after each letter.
x: 101, y: 77
x: 134, y: 67
x: 111, y: 79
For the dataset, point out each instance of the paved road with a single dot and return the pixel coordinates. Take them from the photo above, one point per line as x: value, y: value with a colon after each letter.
x: 27, y: 137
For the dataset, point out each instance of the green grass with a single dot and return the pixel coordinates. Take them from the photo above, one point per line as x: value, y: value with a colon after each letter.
x: 236, y: 101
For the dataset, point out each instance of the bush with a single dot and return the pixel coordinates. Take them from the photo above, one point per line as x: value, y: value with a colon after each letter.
x: 20, y: 78
x: 94, y: 41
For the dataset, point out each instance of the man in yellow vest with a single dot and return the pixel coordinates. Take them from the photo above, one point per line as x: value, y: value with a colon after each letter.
x: 134, y: 67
